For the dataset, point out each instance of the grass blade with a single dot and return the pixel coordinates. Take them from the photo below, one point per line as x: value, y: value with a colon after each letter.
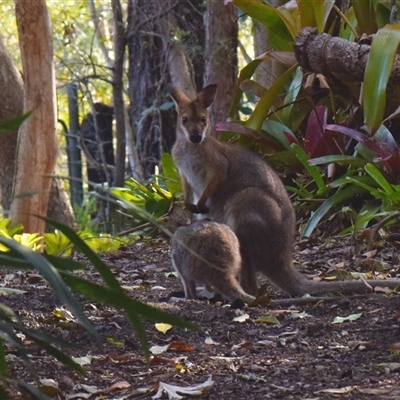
x: 337, y: 198
x: 50, y: 273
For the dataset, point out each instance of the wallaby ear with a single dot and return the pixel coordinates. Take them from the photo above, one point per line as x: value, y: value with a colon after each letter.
x: 177, y: 95
x: 206, y: 96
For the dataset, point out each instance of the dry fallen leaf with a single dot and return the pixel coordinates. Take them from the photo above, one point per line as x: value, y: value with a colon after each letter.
x: 241, y: 318
x: 117, y: 386
x: 159, y: 349
x: 162, y: 327
x: 343, y: 390
x: 268, y: 319
x: 391, y: 366
x: 351, y: 317
x: 162, y: 360
x: 83, y: 360
x: 209, y: 340
x: 181, y: 346
x: 243, y: 345
x: 174, y: 392
x: 375, y: 391
x: 50, y: 387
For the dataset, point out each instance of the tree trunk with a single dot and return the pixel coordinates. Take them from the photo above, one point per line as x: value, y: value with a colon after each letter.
x: 221, y: 55
x: 145, y: 77
x: 11, y: 89
x: 118, y: 100
x: 37, y: 145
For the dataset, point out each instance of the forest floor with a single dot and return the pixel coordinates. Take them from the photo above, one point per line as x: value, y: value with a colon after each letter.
x: 262, y: 352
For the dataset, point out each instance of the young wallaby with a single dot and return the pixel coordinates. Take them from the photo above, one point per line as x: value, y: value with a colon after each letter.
x: 232, y: 185
x: 207, y: 253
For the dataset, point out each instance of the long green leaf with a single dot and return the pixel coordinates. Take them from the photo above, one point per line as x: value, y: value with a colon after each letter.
x: 263, y: 107
x: 50, y: 273
x: 33, y: 391
x: 119, y: 299
x: 315, y: 13
x: 293, y: 91
x: 97, y: 262
x: 46, y: 341
x: 342, y: 159
x: 312, y: 170
x: 4, y: 395
x: 379, y: 178
x: 3, y: 363
x: 14, y: 123
x: 377, y: 73
x: 133, y: 308
x: 337, y: 198
x: 7, y: 329
x: 279, y: 36
x: 365, y: 14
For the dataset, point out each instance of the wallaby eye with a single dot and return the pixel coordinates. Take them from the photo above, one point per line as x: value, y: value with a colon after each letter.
x: 184, y: 120
x: 204, y: 120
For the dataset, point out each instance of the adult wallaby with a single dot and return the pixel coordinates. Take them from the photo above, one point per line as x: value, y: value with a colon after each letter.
x: 207, y: 252
x: 232, y: 185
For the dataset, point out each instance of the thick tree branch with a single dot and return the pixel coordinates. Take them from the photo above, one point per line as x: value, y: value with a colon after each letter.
x: 333, y: 56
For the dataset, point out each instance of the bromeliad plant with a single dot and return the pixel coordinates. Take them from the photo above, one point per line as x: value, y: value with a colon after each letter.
x: 310, y: 117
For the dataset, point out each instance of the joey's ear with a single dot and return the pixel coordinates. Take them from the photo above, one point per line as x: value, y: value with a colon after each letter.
x: 206, y: 96
x: 177, y: 95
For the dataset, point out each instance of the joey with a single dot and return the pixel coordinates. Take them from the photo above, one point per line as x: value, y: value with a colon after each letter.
x: 207, y: 253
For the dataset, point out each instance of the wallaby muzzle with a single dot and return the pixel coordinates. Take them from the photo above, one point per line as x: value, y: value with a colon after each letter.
x: 196, y: 138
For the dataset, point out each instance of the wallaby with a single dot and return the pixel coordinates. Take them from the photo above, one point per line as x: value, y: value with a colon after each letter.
x: 232, y: 185
x: 207, y: 253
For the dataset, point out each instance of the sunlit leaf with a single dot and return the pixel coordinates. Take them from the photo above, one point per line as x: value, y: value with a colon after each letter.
x: 241, y: 318
x: 314, y: 13
x: 323, y: 209
x: 279, y: 36
x: 268, y: 319
x: 351, y: 317
x: 263, y: 107
x: 377, y: 73
x: 164, y: 328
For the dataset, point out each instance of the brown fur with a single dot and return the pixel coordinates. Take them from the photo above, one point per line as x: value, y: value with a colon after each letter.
x: 232, y: 185
x: 218, y: 265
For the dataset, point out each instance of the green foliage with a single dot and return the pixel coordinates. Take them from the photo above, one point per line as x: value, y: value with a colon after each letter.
x: 379, y: 67
x: 148, y: 203
x: 300, y: 134
x: 59, y: 273
x: 13, y: 123
x: 56, y: 243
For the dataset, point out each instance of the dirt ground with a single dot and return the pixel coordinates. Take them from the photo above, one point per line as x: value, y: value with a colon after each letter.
x: 262, y: 352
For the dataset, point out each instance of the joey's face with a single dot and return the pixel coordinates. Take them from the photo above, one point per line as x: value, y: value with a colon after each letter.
x: 194, y: 122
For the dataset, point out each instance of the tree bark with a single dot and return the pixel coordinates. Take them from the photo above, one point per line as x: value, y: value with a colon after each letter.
x: 333, y: 56
x: 221, y: 55
x: 118, y: 100
x: 37, y: 145
x: 145, y: 78
x: 11, y: 89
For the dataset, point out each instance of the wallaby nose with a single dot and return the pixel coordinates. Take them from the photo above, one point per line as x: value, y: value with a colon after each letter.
x: 196, y: 138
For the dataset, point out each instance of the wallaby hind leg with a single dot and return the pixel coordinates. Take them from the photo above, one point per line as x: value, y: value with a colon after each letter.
x: 190, y: 288
x: 248, y: 236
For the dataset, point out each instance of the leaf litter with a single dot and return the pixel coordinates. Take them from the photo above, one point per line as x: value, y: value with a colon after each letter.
x: 292, y: 352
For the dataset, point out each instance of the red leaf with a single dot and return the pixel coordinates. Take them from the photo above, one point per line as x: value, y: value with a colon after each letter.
x: 318, y: 141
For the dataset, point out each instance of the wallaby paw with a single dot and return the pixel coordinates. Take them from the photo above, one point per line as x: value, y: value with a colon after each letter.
x: 196, y: 209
